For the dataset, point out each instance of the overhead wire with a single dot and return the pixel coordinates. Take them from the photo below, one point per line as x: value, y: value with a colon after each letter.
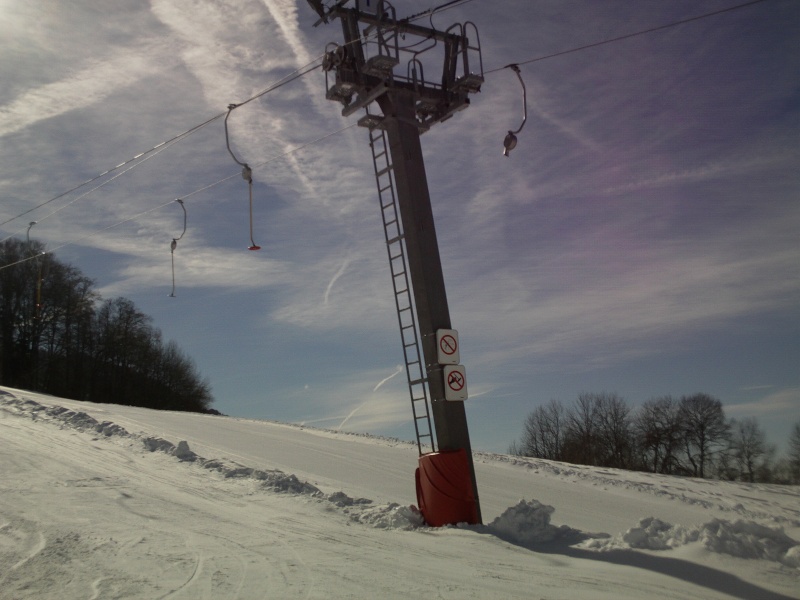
x: 161, y: 148
x: 626, y: 36
x: 300, y: 72
x: 158, y: 148
x: 434, y: 10
x: 183, y: 197
x: 155, y: 148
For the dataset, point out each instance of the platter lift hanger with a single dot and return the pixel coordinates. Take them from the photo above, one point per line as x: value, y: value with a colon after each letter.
x: 174, y: 245
x: 247, y: 175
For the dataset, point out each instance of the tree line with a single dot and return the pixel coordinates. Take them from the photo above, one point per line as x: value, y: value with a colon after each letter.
x: 58, y: 336
x: 687, y: 436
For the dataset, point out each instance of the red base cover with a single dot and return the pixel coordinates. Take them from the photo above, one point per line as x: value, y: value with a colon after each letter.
x: 444, y: 489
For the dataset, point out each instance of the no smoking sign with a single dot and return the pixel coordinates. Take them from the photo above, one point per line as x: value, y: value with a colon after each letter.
x: 455, y: 382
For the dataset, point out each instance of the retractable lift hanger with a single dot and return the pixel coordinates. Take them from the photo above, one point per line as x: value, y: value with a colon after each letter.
x: 39, y: 268
x: 174, y: 244
x: 247, y: 175
x: 511, y: 138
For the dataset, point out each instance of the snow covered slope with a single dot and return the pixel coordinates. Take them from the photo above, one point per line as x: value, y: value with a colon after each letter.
x: 105, y: 501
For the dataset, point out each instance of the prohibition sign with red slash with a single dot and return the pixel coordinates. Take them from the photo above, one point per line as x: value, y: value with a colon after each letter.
x: 447, y: 347
x: 455, y: 381
x: 448, y: 344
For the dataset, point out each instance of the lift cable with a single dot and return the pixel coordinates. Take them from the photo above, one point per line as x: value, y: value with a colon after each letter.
x: 161, y: 148
x: 157, y: 148
x: 627, y: 36
x: 434, y: 10
x: 300, y: 72
x: 136, y: 160
x: 184, y: 197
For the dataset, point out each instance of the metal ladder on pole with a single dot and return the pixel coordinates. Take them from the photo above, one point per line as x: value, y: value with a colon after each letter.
x: 395, y: 245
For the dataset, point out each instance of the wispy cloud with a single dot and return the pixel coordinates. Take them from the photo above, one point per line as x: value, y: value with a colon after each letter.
x: 785, y: 401
x: 93, y: 83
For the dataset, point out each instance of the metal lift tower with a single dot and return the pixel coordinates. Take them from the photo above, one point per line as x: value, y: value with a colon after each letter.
x: 385, y: 64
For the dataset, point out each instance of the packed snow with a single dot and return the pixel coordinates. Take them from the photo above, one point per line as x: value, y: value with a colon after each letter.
x: 106, y: 501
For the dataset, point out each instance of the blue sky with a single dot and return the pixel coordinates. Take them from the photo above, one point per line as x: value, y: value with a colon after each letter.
x: 643, y: 238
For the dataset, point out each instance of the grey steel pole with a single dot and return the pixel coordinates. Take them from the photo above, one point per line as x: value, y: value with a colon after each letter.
x: 425, y: 267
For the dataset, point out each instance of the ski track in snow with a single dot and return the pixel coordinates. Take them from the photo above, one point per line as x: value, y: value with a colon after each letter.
x: 207, y: 561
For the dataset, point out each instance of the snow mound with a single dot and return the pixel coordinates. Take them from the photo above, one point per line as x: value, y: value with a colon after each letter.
x: 528, y: 523
x: 342, y: 500
x: 61, y: 416
x: 742, y: 539
x: 158, y: 444
x: 360, y: 510
x: 390, y: 516
x: 747, y: 539
x: 183, y: 453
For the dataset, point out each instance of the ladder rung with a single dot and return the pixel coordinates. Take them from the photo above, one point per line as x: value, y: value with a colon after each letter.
x: 402, y: 289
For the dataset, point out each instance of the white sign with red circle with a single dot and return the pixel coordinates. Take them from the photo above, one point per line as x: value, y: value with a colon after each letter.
x: 455, y: 382
x: 447, y: 352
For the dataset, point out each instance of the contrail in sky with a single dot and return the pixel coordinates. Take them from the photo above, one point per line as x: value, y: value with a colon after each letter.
x: 375, y: 389
x: 333, y: 280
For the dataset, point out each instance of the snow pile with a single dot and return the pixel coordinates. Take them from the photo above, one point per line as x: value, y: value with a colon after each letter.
x: 528, y: 523
x: 703, y: 493
x: 390, y: 516
x: 743, y: 539
x: 655, y: 534
x: 360, y: 510
x: 747, y: 539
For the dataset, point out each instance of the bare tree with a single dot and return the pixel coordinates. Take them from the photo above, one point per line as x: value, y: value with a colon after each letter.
x: 580, y: 444
x: 598, y: 431
x: 658, y: 432
x: 794, y: 453
x: 749, y: 444
x: 543, y: 432
x: 614, y: 431
x: 705, y: 430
